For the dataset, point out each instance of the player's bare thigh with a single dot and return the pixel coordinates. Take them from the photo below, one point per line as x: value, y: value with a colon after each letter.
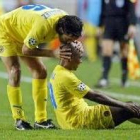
x: 36, y: 67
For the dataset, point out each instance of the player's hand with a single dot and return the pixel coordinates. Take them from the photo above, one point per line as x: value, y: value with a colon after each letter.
x: 134, y: 108
x: 65, y: 53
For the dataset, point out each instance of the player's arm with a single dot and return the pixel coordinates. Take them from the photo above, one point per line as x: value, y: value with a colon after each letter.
x: 106, y: 100
x: 80, y: 90
x: 37, y: 52
x: 131, y: 13
x: 36, y: 36
x: 98, y: 97
x: 64, y: 53
x: 131, y: 19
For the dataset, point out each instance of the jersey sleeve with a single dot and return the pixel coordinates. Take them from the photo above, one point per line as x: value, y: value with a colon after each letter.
x: 75, y: 86
x: 36, y: 35
x: 131, y: 13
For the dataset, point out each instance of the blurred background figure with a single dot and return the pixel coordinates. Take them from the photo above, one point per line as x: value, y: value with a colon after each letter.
x: 133, y: 62
x: 137, y: 40
x: 119, y: 20
x: 9, y: 5
x: 1, y: 7
x: 24, y: 2
x: 89, y: 11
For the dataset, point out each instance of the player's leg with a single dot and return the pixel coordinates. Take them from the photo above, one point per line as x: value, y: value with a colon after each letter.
x: 14, y: 91
x: 134, y: 120
x: 124, y: 53
x: 39, y: 91
x: 121, y: 115
x: 107, y: 51
x: 121, y: 36
x: 13, y: 88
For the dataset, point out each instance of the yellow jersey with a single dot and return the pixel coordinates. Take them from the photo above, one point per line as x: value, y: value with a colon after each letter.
x: 66, y: 92
x: 31, y: 24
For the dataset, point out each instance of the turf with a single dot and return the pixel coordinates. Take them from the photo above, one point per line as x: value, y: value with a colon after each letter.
x: 89, y: 73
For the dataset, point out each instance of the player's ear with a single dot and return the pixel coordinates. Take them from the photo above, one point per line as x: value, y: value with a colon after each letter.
x: 61, y: 31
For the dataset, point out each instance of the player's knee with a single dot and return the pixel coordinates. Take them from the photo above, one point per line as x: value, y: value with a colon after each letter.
x: 43, y: 72
x: 107, y: 52
x: 14, y: 75
x: 15, y: 70
x: 40, y: 73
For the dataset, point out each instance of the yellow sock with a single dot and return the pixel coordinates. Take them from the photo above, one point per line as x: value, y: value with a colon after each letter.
x: 39, y: 96
x: 15, y: 99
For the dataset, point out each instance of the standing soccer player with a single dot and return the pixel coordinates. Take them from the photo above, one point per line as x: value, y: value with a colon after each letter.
x: 22, y: 31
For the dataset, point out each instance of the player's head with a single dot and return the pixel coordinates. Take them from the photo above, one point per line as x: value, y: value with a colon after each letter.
x: 76, y: 58
x: 69, y: 28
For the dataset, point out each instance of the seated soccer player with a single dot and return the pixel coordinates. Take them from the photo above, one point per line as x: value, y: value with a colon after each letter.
x: 68, y: 93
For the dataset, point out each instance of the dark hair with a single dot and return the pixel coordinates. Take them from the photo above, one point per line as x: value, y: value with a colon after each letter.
x: 70, y: 25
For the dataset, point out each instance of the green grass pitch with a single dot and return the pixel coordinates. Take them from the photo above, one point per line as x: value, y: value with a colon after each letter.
x: 89, y: 73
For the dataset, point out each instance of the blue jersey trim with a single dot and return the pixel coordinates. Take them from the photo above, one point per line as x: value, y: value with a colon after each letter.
x: 35, y: 7
x: 52, y: 95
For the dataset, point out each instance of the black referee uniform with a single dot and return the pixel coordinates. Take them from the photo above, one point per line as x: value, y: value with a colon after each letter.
x: 116, y: 16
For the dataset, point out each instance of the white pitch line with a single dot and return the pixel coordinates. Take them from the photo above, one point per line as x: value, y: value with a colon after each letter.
x: 131, y: 83
x: 122, y: 96
x: 113, y: 94
x: 23, y: 78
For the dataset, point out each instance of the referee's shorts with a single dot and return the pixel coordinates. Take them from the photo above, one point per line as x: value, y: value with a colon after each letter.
x: 115, y: 28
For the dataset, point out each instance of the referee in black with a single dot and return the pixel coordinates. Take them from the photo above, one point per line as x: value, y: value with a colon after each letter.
x: 119, y: 20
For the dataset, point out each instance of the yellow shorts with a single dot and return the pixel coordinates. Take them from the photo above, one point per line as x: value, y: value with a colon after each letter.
x: 96, y: 117
x: 9, y: 47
